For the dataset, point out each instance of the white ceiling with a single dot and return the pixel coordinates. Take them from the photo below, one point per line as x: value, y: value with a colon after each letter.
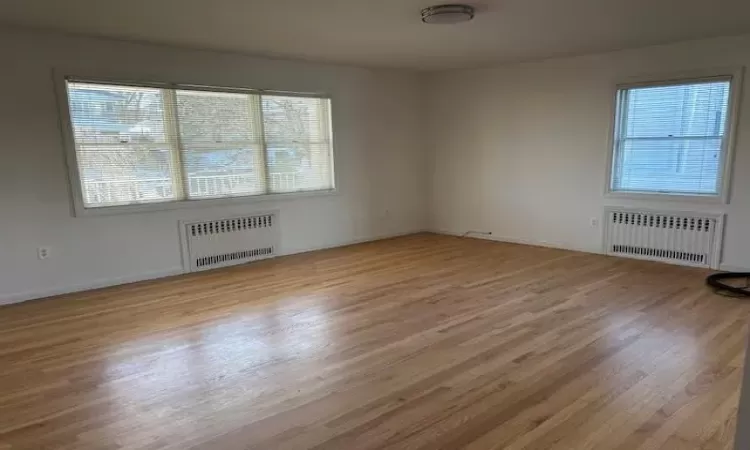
x: 389, y: 32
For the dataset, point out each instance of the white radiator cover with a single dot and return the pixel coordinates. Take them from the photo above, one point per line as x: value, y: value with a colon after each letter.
x: 210, y: 244
x: 685, y: 238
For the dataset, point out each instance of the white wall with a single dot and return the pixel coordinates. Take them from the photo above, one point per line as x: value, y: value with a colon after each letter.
x: 521, y: 150
x: 378, y: 144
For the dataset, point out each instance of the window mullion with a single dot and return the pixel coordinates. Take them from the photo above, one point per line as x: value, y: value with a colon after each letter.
x: 327, y: 135
x: 620, y: 138
x: 172, y: 125
x: 256, y: 110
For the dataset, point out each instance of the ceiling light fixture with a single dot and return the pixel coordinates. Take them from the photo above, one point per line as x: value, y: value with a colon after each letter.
x: 447, y: 14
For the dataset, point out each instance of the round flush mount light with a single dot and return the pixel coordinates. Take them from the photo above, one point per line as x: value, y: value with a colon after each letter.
x: 447, y: 14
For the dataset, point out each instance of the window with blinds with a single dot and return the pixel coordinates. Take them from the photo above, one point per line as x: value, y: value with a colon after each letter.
x: 142, y: 144
x: 671, y: 138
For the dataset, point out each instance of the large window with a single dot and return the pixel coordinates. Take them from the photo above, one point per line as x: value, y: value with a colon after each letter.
x: 672, y: 138
x: 140, y: 144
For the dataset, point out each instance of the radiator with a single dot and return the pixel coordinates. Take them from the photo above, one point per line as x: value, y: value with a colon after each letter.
x: 210, y: 244
x: 677, y: 238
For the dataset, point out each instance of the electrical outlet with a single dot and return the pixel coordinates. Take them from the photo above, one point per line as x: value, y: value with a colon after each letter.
x: 42, y: 252
x: 475, y: 232
x: 594, y: 222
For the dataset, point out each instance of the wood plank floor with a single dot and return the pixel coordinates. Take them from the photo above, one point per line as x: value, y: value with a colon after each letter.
x: 421, y: 342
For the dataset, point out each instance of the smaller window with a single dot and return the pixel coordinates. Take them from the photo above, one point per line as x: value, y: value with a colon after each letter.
x: 671, y: 138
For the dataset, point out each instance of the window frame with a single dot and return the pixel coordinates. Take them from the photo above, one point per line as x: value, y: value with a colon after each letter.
x: 61, y: 80
x: 735, y: 77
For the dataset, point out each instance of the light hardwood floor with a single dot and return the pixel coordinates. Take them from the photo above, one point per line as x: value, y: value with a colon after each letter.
x: 421, y: 342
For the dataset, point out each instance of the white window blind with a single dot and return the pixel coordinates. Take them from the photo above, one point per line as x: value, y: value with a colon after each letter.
x: 671, y: 138
x: 221, y: 142
x: 123, y: 148
x: 136, y: 145
x: 298, y: 135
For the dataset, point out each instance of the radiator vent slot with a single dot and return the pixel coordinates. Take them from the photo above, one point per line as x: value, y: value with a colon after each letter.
x: 678, y: 238
x: 229, y: 241
x: 230, y: 225
x: 245, y: 254
x: 659, y: 253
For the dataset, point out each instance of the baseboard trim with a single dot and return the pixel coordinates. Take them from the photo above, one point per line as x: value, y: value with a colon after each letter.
x: 512, y: 240
x: 109, y: 282
x: 96, y: 284
x: 354, y: 242
x: 732, y: 268
x: 722, y: 267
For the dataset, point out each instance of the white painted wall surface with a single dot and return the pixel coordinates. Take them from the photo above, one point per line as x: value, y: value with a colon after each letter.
x: 521, y: 150
x: 377, y: 118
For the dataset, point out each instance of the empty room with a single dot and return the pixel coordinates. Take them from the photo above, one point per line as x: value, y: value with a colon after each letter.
x: 374, y: 224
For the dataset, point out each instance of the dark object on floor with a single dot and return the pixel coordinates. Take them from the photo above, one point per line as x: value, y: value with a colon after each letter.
x: 721, y: 282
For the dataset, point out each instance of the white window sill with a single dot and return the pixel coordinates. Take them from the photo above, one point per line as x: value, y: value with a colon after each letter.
x: 664, y: 197
x: 80, y: 211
